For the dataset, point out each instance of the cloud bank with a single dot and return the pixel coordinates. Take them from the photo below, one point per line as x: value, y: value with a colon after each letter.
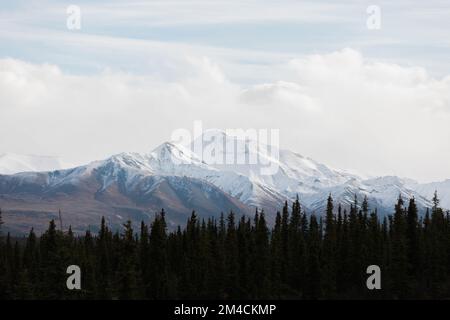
x: 339, y: 108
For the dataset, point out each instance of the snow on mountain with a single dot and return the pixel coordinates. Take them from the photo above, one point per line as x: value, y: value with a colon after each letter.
x: 428, y: 189
x: 225, y: 162
x: 243, y: 164
x: 296, y: 175
x: 238, y: 167
x: 126, y: 186
x: 386, y: 191
x: 11, y: 163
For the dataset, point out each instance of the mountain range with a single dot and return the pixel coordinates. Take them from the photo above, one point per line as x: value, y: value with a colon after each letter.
x: 134, y: 186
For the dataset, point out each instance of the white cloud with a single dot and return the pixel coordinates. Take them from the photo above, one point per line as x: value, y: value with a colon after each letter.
x: 278, y: 95
x: 338, y: 108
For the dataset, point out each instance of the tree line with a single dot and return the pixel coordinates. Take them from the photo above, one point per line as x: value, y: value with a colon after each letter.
x: 303, y: 256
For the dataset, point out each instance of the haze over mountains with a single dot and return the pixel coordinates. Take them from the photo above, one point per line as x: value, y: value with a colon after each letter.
x: 134, y: 186
x: 11, y: 163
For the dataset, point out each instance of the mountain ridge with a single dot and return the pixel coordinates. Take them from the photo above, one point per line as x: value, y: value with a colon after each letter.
x: 175, y: 177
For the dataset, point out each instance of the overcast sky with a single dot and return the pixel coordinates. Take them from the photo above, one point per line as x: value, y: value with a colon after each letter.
x: 373, y: 101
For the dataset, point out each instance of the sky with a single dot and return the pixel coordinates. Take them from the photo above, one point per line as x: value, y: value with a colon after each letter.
x: 374, y: 101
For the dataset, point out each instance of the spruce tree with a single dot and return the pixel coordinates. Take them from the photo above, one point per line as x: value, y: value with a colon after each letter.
x: 285, y: 241
x: 31, y: 261
x: 126, y: 274
x: 438, y: 252
x: 158, y: 267
x: 52, y: 273
x: 276, y: 255
x: 244, y: 236
x: 296, y: 257
x: 400, y: 266
x: 103, y: 262
x: 261, y: 265
x: 412, y: 234
x: 231, y: 259
x: 314, y: 276
x: 329, y: 252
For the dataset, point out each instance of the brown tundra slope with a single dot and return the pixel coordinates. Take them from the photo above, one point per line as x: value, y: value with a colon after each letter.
x: 85, y: 194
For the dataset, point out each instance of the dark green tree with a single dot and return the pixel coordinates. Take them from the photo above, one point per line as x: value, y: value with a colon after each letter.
x: 329, y: 252
x: 158, y: 267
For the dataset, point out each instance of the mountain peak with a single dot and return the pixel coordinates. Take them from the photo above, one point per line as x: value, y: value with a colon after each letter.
x: 130, y: 160
x: 174, y: 153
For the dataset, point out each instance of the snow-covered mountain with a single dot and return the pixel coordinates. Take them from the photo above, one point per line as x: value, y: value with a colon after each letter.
x: 428, y: 189
x: 291, y: 173
x: 296, y: 175
x: 247, y: 181
x: 216, y: 178
x: 11, y: 163
x: 123, y: 187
